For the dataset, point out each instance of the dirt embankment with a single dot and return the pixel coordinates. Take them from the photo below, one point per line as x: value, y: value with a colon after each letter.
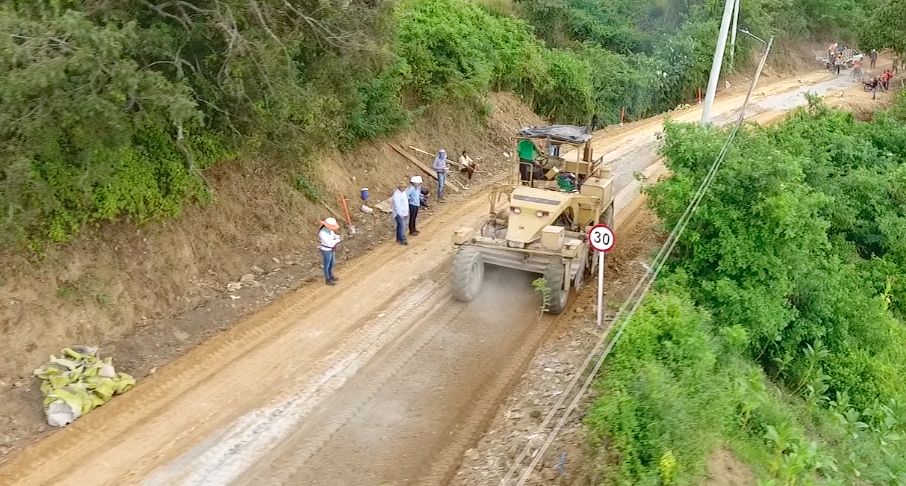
x: 148, y: 294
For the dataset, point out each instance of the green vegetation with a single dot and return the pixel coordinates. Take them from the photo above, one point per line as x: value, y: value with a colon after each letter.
x: 778, y: 326
x: 540, y: 286
x: 114, y: 109
x: 885, y: 28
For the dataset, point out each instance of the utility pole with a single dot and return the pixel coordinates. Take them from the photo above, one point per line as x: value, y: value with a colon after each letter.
x: 733, y: 34
x: 718, y: 60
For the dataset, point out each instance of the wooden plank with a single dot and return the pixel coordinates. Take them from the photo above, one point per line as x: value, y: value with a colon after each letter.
x: 385, y: 206
x: 420, y: 165
x: 335, y: 213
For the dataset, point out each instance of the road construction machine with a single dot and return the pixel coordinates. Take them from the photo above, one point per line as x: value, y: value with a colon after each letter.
x: 558, y: 194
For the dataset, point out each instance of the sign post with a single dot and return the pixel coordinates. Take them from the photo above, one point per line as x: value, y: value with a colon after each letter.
x: 601, y: 239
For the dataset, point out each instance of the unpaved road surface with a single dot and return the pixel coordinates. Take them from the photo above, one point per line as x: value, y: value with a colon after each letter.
x: 380, y: 379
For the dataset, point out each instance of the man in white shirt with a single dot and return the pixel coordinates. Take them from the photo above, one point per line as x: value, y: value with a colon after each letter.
x: 400, y: 204
x: 466, y: 164
x: 328, y: 240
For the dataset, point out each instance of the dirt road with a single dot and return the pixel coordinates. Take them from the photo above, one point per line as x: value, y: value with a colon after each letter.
x: 380, y: 379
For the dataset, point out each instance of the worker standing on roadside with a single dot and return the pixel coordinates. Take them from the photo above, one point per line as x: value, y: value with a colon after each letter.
x: 400, y: 204
x: 873, y: 56
x: 885, y: 80
x: 328, y: 241
x: 414, y: 194
x: 857, y: 69
x: 838, y: 63
x: 440, y: 166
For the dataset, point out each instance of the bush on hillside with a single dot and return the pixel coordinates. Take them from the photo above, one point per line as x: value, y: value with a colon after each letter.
x: 663, y: 394
x: 457, y: 49
x: 86, y: 133
x: 795, y: 254
x: 568, y: 97
x: 787, y: 242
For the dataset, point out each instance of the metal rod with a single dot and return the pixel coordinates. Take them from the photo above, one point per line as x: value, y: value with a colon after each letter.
x: 759, y: 39
x: 718, y: 60
x: 600, y: 289
x: 733, y: 34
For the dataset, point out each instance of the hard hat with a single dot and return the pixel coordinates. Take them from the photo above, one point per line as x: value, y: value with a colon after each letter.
x: 331, y: 224
x: 416, y: 179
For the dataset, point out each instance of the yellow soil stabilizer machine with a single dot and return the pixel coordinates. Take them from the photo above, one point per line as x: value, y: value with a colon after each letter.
x: 560, y: 192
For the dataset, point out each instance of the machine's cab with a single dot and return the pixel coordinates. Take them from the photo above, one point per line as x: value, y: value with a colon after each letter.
x: 555, y: 157
x: 559, y: 193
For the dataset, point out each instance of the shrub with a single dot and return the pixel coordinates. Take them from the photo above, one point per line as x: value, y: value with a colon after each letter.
x: 664, y: 395
x: 568, y: 96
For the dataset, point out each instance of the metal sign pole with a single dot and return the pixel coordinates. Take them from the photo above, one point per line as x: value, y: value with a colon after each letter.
x: 601, y: 239
x: 600, y: 289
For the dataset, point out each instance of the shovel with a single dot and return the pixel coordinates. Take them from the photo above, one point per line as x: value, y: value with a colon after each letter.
x: 348, y: 218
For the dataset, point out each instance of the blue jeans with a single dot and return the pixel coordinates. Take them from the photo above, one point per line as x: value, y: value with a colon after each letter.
x: 441, y: 179
x: 401, y: 229
x: 329, y: 259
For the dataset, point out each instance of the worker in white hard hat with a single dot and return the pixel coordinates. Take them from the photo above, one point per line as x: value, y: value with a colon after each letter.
x: 329, y: 240
x: 414, y: 194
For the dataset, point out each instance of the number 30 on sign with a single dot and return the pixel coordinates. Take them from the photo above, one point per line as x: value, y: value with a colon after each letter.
x: 601, y: 238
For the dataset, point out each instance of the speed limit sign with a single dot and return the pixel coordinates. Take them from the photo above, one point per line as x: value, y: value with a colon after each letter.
x: 600, y: 237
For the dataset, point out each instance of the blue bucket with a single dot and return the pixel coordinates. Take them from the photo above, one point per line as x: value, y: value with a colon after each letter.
x: 364, y: 194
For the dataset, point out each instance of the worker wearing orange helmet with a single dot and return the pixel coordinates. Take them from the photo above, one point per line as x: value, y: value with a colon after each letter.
x: 328, y: 240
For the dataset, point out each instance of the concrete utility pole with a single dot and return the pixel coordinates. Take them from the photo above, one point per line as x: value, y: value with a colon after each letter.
x: 718, y: 60
x: 733, y: 34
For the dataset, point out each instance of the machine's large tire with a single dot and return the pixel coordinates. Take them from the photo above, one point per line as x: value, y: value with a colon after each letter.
x: 553, y: 277
x: 609, y: 217
x: 467, y: 274
x: 579, y: 280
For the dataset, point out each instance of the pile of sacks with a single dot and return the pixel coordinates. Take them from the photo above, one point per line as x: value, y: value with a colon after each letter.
x: 77, y: 383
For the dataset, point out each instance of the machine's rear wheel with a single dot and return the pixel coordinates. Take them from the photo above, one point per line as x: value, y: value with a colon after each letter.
x: 554, y: 275
x: 580, y: 275
x: 467, y: 274
x: 609, y: 216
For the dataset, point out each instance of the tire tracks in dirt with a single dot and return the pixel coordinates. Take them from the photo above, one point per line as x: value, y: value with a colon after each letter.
x: 136, y: 432
x: 243, y: 445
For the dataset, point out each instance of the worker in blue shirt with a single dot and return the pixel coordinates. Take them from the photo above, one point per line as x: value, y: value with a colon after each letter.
x: 400, y: 204
x: 414, y: 193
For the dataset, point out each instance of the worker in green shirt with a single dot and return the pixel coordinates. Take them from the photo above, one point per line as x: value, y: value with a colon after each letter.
x: 527, y: 153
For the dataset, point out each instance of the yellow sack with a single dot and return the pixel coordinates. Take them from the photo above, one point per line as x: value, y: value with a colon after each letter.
x: 78, y: 383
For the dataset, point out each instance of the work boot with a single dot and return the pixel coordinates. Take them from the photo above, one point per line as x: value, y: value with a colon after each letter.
x: 331, y: 282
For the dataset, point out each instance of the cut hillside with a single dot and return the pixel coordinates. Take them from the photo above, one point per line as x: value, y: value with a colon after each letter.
x: 146, y: 295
